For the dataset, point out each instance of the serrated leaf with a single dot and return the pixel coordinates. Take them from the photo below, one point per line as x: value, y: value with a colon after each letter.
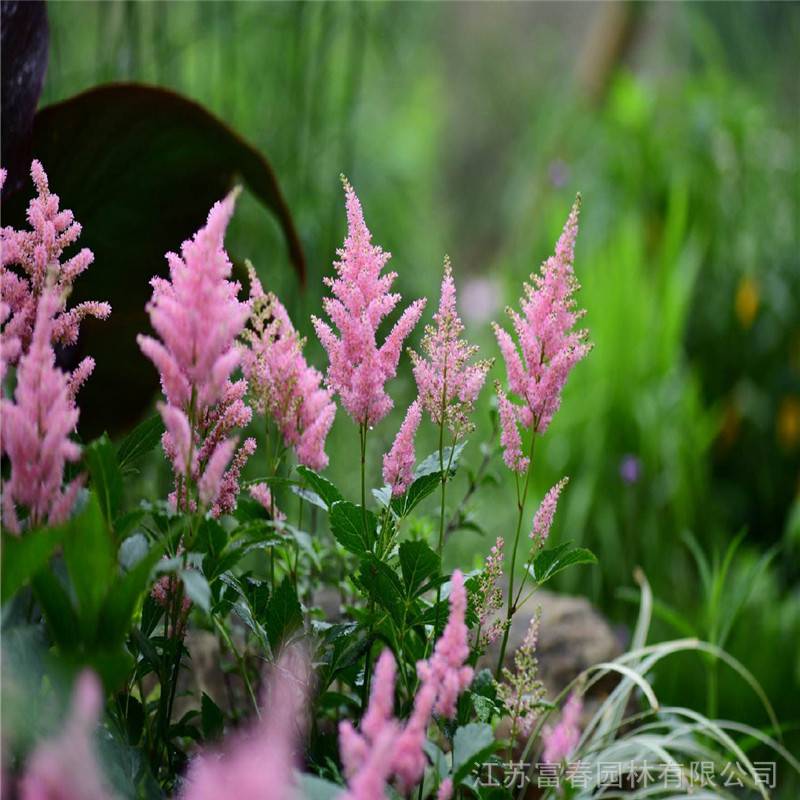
x: 284, y: 615
x: 383, y: 586
x: 322, y: 486
x: 416, y: 493
x: 139, y: 442
x: 348, y: 527
x: 471, y: 744
x: 106, y: 477
x: 431, y: 464
x: 548, y: 563
x: 417, y: 562
x: 212, y: 718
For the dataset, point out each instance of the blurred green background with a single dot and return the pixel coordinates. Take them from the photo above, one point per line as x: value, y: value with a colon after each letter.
x: 467, y: 128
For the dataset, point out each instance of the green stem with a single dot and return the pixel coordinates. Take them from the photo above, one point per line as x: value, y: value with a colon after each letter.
x: 511, y: 609
x: 240, y: 662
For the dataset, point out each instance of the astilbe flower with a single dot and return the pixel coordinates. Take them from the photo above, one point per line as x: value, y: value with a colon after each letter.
x: 489, y: 597
x: 543, y: 519
x: 448, y: 384
x: 560, y: 742
x: 36, y: 256
x: 261, y: 493
x: 358, y: 369
x: 445, y: 791
x: 258, y: 764
x: 550, y: 344
x: 398, y: 463
x: 384, y: 748
x: 282, y: 383
x: 509, y: 433
x: 66, y: 767
x: 198, y: 318
x: 36, y: 430
x: 521, y: 690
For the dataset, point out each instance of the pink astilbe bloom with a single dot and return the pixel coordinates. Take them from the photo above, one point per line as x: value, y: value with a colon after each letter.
x: 281, y: 381
x: 398, y: 463
x: 198, y: 318
x: 36, y: 258
x: 509, y: 433
x: 10, y: 346
x: 448, y: 384
x: 489, y: 597
x: 560, y: 742
x: 36, y: 428
x: 258, y: 764
x: 543, y: 519
x: 260, y: 492
x: 445, y: 789
x: 446, y: 667
x: 549, y: 343
x: 66, y: 767
x: 358, y: 368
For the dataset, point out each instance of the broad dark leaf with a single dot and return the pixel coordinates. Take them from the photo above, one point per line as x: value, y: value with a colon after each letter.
x: 549, y: 563
x: 24, y: 556
x: 348, y: 526
x: 140, y: 167
x: 471, y: 745
x: 322, y: 486
x: 284, y: 615
x: 25, y: 39
x: 431, y: 464
x: 416, y: 493
x: 139, y: 442
x: 383, y: 586
x: 418, y: 562
x: 101, y: 459
x: 212, y: 718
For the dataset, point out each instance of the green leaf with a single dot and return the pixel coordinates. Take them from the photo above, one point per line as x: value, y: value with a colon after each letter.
x: 211, y: 537
x: 165, y: 146
x: 418, y: 562
x: 430, y: 465
x: 24, y: 556
x: 322, y: 486
x: 471, y: 745
x: 139, y: 442
x: 106, y: 476
x: 314, y: 788
x: 347, y: 525
x: 550, y: 562
x: 383, y: 586
x: 58, y: 611
x: 91, y: 563
x: 416, y: 493
x: 284, y: 615
x: 212, y: 718
x: 197, y: 588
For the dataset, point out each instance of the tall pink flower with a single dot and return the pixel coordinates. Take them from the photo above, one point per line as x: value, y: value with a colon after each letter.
x: 560, y: 742
x: 198, y: 317
x: 66, y: 767
x: 36, y: 430
x: 445, y: 669
x: 36, y: 258
x: 358, y: 368
x: 448, y: 384
x: 543, y: 519
x: 258, y: 764
x: 384, y: 748
x: 549, y: 343
x: 282, y: 383
x: 509, y: 433
x: 398, y: 463
x: 489, y: 596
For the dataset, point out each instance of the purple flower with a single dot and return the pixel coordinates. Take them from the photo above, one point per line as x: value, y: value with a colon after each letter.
x: 630, y: 469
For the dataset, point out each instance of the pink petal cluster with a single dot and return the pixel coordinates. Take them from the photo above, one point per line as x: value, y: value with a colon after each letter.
x: 198, y: 317
x: 36, y: 258
x: 510, y: 439
x: 358, y: 368
x: 445, y: 789
x: 66, y: 767
x: 560, y: 742
x: 489, y: 596
x: 448, y: 384
x: 258, y: 764
x: 260, y: 493
x: 543, y: 519
x: 281, y: 381
x: 548, y: 340
x: 398, y: 463
x: 384, y: 748
x: 36, y: 430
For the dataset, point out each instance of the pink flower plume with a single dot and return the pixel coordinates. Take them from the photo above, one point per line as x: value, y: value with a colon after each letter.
x: 560, y: 742
x: 358, y: 369
x: 543, y: 519
x: 398, y: 463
